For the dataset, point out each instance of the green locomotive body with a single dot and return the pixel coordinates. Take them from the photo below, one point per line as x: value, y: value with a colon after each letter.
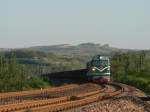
x: 99, y: 69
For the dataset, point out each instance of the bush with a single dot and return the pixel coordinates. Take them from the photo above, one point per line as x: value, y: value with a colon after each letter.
x: 14, y: 77
x: 72, y: 98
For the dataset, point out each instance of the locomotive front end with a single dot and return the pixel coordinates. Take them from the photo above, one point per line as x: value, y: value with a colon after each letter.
x: 99, y: 69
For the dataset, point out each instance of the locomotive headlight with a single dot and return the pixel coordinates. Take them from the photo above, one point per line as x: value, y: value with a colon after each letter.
x: 93, y: 69
x: 101, y: 57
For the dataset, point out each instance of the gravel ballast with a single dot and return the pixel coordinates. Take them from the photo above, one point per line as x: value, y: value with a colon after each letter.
x: 120, y: 104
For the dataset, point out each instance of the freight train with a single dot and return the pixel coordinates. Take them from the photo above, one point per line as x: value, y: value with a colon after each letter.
x: 99, y: 69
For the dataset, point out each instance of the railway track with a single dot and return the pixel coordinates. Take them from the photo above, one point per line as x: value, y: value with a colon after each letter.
x: 48, y: 94
x: 67, y: 93
x: 128, y: 99
x: 116, y: 104
x: 17, y: 97
x: 61, y: 98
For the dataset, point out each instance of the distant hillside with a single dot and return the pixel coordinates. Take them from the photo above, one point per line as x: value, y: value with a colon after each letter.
x: 84, y: 49
x: 81, y: 49
x: 5, y: 49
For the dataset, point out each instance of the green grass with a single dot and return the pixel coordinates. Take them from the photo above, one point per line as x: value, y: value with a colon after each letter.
x: 141, y: 82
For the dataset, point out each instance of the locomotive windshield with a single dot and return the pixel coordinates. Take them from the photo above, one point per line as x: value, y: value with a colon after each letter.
x: 96, y: 63
x: 100, y: 63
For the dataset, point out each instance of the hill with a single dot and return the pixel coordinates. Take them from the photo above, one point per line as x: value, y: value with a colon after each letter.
x: 81, y: 49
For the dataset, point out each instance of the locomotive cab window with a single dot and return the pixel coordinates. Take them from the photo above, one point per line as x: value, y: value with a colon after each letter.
x: 104, y: 62
x: 100, y: 62
x: 96, y: 63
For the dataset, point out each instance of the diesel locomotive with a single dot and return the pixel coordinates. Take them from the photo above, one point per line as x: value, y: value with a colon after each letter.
x: 99, y: 69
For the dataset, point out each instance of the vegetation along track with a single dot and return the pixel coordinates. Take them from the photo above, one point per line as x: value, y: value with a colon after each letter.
x: 63, y: 98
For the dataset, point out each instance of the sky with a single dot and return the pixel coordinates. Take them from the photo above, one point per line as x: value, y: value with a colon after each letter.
x: 120, y: 23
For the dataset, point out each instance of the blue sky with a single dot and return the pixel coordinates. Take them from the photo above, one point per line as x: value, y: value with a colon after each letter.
x: 120, y: 23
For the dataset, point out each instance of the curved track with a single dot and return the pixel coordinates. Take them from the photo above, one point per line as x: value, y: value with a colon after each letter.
x: 57, y: 99
x: 61, y: 98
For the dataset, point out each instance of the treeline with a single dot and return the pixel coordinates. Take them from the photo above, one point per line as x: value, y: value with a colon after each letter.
x: 40, y: 62
x: 14, y: 77
x: 132, y: 68
x: 19, y: 69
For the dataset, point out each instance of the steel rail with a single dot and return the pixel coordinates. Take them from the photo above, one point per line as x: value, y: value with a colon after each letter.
x: 12, y: 94
x: 31, y: 95
x: 32, y: 104
x: 79, y: 102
